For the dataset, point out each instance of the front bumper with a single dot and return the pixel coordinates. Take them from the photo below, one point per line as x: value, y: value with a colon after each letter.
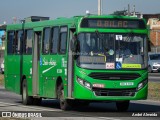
x: 83, y: 93
x: 156, y: 67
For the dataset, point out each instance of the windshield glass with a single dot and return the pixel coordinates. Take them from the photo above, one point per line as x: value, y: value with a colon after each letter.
x: 155, y: 57
x: 111, y: 51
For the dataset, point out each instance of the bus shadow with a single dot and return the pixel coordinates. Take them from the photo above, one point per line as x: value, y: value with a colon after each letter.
x: 103, y: 107
x: 137, y: 107
x: 111, y: 107
x: 50, y: 103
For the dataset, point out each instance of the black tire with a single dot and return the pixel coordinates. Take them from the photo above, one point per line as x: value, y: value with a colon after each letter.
x: 122, y: 106
x: 64, y: 103
x: 150, y: 69
x: 26, y: 100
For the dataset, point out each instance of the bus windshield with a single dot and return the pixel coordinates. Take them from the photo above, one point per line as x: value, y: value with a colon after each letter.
x: 111, y: 51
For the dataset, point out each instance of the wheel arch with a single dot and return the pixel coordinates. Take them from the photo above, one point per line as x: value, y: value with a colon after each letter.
x: 59, y: 80
x: 21, y: 82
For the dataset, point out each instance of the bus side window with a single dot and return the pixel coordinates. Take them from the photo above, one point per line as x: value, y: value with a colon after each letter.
x: 18, y: 41
x: 10, y: 44
x: 54, y: 40
x: 28, y: 42
x: 46, y: 38
x: 63, y: 40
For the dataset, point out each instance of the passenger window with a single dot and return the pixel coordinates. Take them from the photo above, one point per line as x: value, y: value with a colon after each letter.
x: 46, y: 37
x: 10, y: 44
x: 54, y: 40
x: 18, y: 40
x: 63, y: 40
x: 28, y: 42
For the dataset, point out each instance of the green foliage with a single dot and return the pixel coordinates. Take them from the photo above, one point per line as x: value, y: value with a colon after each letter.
x: 1, y: 79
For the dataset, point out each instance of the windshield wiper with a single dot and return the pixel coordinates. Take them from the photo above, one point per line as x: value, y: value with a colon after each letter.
x: 129, y: 35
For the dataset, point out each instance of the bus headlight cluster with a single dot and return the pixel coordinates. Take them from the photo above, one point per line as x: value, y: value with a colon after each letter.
x: 142, y: 84
x: 84, y: 83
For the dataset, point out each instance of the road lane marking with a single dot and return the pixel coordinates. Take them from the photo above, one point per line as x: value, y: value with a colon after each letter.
x: 37, y: 107
x: 145, y: 101
x: 57, y: 110
x: 153, y: 77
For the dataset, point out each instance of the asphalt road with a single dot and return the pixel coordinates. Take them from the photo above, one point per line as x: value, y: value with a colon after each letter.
x: 50, y: 108
x: 154, y: 77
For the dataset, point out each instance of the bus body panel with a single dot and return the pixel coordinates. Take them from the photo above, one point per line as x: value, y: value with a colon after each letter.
x: 48, y: 69
x: 27, y: 71
x: 52, y: 67
x: 13, y: 73
x: 80, y: 92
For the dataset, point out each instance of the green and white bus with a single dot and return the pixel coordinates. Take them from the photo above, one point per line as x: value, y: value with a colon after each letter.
x: 78, y: 60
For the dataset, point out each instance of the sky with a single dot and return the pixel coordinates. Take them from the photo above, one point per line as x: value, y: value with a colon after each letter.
x: 68, y: 8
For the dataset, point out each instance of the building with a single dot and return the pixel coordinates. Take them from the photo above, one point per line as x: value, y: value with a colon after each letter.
x: 154, y: 31
x: 2, y: 42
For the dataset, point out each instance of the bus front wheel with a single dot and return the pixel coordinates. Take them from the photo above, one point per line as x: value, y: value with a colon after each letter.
x: 26, y: 100
x: 64, y: 103
x: 122, y: 105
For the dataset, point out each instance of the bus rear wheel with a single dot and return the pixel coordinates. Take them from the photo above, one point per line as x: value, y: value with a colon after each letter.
x: 26, y: 100
x: 122, y: 105
x: 64, y: 103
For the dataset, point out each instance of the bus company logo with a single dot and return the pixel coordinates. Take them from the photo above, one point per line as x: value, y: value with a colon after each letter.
x: 114, y: 84
x: 6, y: 114
x: 48, y: 62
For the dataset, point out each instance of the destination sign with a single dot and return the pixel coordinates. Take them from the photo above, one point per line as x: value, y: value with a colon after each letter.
x: 112, y: 23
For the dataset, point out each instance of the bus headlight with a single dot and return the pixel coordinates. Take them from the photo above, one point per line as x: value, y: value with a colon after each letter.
x: 142, y: 84
x: 84, y: 83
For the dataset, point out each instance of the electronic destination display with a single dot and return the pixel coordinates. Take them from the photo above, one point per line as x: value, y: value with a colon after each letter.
x: 112, y: 23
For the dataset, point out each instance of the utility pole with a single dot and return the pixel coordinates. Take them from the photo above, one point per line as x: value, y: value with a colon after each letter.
x: 99, y: 7
x: 129, y: 13
x: 134, y: 10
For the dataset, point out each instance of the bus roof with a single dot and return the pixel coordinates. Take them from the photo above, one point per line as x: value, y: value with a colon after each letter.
x: 63, y: 20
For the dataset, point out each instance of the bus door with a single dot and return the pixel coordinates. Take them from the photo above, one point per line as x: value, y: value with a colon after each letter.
x: 70, y: 66
x: 35, y: 63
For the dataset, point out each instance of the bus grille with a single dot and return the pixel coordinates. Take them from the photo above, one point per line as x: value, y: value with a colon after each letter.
x: 114, y: 92
x: 114, y: 76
